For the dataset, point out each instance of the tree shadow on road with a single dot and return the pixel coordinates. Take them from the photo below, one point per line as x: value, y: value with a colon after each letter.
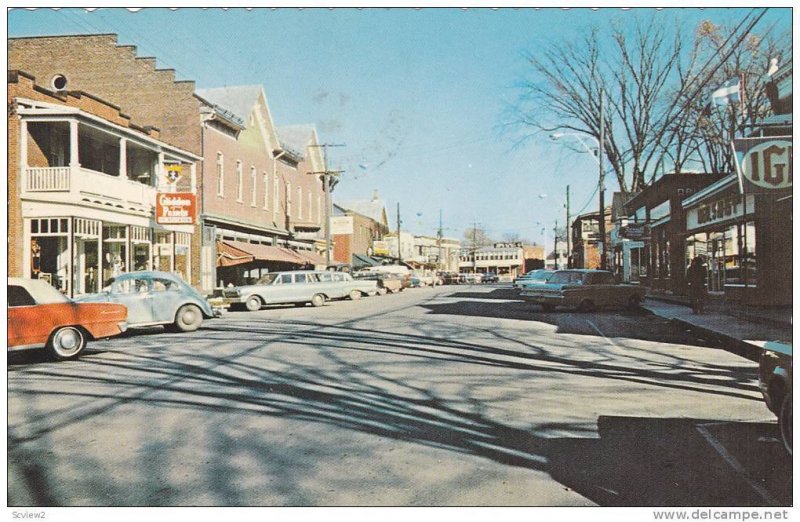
x: 628, y: 465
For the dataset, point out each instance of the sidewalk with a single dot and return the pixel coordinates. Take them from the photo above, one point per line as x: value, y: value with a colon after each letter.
x: 744, y: 333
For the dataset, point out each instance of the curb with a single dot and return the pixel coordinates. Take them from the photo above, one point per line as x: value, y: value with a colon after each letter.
x: 730, y: 344
x: 768, y: 321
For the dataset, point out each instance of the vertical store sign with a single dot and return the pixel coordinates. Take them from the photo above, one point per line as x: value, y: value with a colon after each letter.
x: 764, y: 165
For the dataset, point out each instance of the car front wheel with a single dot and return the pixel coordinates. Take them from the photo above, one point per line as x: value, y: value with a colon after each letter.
x: 633, y: 302
x: 785, y: 421
x: 66, y: 343
x: 253, y: 304
x: 188, y: 319
x: 355, y: 295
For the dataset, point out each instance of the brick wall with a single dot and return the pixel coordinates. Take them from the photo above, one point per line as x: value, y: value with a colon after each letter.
x: 96, y: 64
x: 148, y: 96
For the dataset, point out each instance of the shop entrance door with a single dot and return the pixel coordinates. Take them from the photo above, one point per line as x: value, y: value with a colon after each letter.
x: 717, y: 264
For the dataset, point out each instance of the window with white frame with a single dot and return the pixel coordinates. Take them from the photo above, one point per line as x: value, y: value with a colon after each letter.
x: 254, y: 178
x: 299, y: 203
x: 266, y: 190
x: 319, y: 209
x: 239, y: 183
x: 288, y: 198
x: 310, y: 218
x: 220, y: 175
x: 275, y: 198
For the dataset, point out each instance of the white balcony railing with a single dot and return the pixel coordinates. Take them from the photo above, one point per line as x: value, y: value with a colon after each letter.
x: 48, y: 179
x: 81, y: 182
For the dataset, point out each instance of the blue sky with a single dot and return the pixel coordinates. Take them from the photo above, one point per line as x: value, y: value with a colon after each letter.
x: 416, y: 96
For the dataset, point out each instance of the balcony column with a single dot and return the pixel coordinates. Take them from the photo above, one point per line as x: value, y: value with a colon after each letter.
x: 23, y: 145
x: 73, y: 144
x: 160, y: 172
x: 123, y: 158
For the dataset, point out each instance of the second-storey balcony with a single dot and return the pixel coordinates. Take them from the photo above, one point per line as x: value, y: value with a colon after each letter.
x: 70, y: 162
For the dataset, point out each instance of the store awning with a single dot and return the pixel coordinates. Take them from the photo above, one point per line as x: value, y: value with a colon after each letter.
x: 231, y: 253
x: 311, y: 257
x: 362, y: 261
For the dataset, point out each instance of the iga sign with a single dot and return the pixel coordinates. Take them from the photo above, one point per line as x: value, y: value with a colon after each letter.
x: 764, y: 164
x: 176, y: 208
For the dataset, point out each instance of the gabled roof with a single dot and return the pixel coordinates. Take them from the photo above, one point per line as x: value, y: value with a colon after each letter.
x: 238, y: 99
x: 375, y: 209
x: 295, y: 139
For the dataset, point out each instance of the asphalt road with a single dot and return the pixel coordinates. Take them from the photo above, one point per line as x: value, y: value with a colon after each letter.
x: 458, y: 395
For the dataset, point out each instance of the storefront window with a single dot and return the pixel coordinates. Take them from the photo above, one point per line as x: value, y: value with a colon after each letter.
x: 49, y: 251
x: 141, y: 245
x: 115, y: 251
x: 729, y: 253
x: 163, y: 252
x: 86, y: 256
x: 182, y: 259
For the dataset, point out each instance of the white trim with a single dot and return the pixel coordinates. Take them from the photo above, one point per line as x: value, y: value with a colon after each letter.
x: 717, y: 186
x: 55, y: 110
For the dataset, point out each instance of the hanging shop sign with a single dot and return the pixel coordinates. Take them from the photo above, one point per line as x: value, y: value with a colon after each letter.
x: 380, y: 248
x: 636, y: 231
x: 176, y: 208
x: 764, y: 165
x: 173, y: 173
x: 341, y: 225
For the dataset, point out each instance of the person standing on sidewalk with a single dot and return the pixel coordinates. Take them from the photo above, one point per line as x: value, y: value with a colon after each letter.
x: 696, y: 278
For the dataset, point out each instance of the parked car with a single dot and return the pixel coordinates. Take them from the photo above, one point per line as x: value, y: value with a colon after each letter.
x: 348, y: 286
x: 39, y: 316
x: 448, y: 278
x: 775, y: 382
x: 298, y: 287
x: 469, y: 278
x: 386, y: 282
x: 534, y: 277
x: 583, y: 289
x: 490, y: 277
x: 157, y: 298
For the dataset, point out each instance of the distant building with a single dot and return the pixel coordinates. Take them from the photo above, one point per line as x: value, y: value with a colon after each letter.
x: 585, y: 235
x: 507, y: 260
x: 358, y: 229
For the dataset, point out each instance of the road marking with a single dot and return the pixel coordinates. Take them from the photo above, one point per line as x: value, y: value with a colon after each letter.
x: 612, y: 343
x: 733, y: 463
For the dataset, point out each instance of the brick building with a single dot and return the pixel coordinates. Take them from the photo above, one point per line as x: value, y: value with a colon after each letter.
x: 262, y: 209
x: 83, y: 186
x: 357, y: 225
x: 151, y: 97
x: 255, y: 184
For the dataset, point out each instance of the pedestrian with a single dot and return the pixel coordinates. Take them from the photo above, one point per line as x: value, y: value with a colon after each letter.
x: 696, y: 278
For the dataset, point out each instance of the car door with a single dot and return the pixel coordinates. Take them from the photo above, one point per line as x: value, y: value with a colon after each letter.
x: 134, y: 293
x: 281, y: 290
x: 166, y: 297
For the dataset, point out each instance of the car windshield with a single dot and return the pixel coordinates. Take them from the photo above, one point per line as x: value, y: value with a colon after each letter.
x: 267, y: 279
x: 544, y: 276
x: 565, y: 277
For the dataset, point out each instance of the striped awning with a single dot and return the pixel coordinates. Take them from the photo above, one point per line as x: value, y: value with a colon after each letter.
x: 232, y: 253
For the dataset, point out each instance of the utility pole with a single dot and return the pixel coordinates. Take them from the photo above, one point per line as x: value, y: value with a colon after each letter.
x: 474, y: 248
x: 399, y: 250
x: 555, y: 245
x: 327, y: 187
x: 602, y: 188
x: 569, y: 231
x: 439, y: 241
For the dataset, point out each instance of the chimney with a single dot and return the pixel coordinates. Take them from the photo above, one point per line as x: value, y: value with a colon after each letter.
x: 375, y: 196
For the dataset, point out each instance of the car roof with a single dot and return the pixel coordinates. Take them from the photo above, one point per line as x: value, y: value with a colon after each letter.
x: 149, y: 273
x: 41, y: 291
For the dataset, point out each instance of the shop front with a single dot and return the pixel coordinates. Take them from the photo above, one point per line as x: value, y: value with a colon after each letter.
x: 78, y: 255
x: 745, y: 241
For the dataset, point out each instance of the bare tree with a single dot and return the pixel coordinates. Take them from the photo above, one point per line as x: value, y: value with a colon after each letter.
x: 656, y: 92
x: 476, y: 237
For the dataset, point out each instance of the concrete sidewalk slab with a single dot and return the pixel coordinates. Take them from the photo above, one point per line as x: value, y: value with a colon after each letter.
x: 738, y: 335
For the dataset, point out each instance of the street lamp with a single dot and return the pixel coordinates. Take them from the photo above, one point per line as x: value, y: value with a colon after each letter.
x: 601, y: 182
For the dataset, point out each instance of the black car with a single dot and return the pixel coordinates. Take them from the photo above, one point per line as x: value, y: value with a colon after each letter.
x: 775, y: 382
x: 490, y: 277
